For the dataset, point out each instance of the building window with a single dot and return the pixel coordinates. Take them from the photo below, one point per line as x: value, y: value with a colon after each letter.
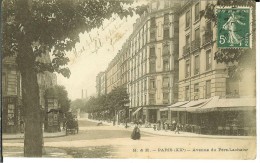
x: 187, y: 40
x: 166, y: 18
x: 145, y: 85
x: 208, y: 89
x: 152, y: 35
x: 145, y: 99
x: 197, y: 11
x: 187, y: 98
x: 151, y: 99
x: 152, y: 52
x: 166, y: 33
x: 10, y: 115
x: 166, y: 65
x: 159, y: 29
x: 197, y: 65
x: 166, y: 49
x: 12, y: 83
x: 196, y: 91
x: 187, y: 68
x: 166, y: 82
x: 165, y: 98
x: 186, y: 48
x: 152, y: 84
x: 4, y: 83
x: 153, y: 22
x: 232, y: 87
x: 188, y: 16
x: 197, y: 34
x: 152, y: 66
x: 208, y: 60
x: 166, y: 3
x: 159, y: 57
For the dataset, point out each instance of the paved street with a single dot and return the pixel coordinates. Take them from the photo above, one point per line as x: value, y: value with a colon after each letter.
x: 114, y: 142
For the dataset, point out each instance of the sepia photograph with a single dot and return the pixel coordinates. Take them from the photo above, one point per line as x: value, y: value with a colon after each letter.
x: 128, y: 79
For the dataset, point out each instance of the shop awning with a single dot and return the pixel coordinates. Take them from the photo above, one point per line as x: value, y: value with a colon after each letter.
x: 195, y: 103
x: 226, y: 104
x: 178, y: 104
x: 164, y: 109
x: 185, y: 106
x: 137, y: 110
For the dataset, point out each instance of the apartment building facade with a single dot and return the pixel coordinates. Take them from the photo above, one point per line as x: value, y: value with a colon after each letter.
x: 113, y: 74
x: 153, y: 61
x: 201, y: 78
x: 13, y: 112
x: 101, y: 83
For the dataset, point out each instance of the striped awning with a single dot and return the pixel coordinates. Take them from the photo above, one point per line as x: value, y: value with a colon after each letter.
x: 137, y: 110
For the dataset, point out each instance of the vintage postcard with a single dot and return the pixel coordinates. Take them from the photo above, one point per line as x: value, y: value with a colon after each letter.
x: 138, y: 79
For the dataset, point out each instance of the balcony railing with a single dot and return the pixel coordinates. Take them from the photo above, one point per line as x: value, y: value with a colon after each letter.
x: 166, y: 101
x: 197, y: 71
x: 208, y: 67
x: 195, y: 44
x: 207, y: 37
x: 166, y: 33
x: 187, y: 74
x: 151, y: 101
x: 186, y: 49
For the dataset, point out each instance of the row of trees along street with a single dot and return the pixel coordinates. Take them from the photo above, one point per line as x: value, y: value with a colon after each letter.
x: 32, y: 27
x: 105, y: 106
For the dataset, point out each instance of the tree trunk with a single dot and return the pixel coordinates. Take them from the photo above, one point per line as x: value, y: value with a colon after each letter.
x: 30, y: 97
x: 33, y: 140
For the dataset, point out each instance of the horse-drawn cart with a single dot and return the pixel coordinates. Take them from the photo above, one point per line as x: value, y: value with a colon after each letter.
x: 72, y: 126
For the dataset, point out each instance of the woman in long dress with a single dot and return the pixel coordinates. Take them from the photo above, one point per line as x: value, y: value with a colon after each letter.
x: 136, y: 135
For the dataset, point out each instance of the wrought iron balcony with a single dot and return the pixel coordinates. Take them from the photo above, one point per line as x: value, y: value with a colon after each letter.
x: 195, y: 44
x: 186, y: 49
x: 207, y: 37
x: 197, y: 71
x: 208, y: 67
x: 187, y: 74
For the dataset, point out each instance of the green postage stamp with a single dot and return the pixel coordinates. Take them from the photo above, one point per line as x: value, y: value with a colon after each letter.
x: 234, y: 27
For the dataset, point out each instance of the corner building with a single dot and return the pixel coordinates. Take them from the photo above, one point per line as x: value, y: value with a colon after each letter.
x: 204, y: 83
x: 153, y: 62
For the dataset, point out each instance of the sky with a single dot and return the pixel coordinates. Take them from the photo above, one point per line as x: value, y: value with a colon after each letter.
x: 93, y: 54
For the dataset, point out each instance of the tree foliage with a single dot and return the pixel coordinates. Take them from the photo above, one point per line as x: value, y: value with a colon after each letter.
x: 116, y: 100
x: 239, y: 59
x: 60, y: 93
x: 54, y: 26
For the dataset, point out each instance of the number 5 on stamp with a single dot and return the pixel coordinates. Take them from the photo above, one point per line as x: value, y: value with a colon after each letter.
x: 234, y: 27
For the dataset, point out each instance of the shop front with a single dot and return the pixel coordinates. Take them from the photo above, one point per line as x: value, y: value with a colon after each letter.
x: 12, y: 115
x: 225, y: 116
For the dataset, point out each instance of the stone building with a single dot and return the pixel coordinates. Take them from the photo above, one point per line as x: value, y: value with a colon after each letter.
x: 101, y: 83
x: 153, y: 61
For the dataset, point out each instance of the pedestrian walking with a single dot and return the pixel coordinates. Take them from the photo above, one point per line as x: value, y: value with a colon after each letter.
x: 173, y: 125
x: 114, y: 121
x: 159, y: 125
x: 177, y: 130
x: 165, y: 126
x: 136, y: 135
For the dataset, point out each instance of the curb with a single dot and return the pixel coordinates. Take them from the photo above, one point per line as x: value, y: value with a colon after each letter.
x: 175, y: 135
x: 17, y: 138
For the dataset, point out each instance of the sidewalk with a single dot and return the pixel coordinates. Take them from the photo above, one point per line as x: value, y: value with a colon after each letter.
x: 21, y: 135
x: 172, y: 133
